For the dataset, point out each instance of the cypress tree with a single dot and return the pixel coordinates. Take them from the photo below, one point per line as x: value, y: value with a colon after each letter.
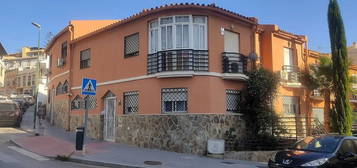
x: 341, y: 115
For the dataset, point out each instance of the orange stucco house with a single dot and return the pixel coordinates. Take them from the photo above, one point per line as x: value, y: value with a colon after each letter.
x: 170, y: 77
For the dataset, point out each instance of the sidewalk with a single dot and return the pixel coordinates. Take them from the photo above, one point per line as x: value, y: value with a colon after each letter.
x: 56, y: 141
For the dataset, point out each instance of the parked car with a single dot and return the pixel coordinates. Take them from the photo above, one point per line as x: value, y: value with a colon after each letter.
x: 325, y: 151
x: 10, y: 114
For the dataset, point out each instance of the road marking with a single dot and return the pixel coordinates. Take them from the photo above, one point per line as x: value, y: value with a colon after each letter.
x: 27, y: 153
x: 7, y: 159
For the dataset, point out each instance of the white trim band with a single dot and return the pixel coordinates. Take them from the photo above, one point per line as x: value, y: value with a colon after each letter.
x: 160, y: 75
x: 58, y: 75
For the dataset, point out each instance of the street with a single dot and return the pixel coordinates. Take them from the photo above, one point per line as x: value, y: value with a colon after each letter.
x: 15, y: 157
x: 12, y: 156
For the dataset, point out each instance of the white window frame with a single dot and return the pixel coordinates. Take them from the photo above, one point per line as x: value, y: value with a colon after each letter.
x: 173, y: 24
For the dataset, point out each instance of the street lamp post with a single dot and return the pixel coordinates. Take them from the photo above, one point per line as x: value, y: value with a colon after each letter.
x: 37, y: 73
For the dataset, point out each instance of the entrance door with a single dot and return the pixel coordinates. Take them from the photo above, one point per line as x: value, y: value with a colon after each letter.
x: 109, y: 118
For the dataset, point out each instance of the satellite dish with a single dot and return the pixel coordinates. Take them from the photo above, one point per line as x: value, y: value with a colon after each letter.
x: 253, y: 56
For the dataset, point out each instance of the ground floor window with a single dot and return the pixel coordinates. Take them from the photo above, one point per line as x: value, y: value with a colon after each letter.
x: 174, y: 100
x: 232, y: 100
x: 290, y: 105
x: 318, y: 114
x: 76, y: 103
x: 131, y: 102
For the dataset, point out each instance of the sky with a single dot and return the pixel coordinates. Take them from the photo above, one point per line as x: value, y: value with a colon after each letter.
x: 305, y: 17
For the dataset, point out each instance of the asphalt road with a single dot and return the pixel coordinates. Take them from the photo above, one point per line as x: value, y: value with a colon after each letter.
x: 12, y: 156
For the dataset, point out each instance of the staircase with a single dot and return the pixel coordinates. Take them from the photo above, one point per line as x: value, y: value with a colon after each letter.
x: 297, y: 127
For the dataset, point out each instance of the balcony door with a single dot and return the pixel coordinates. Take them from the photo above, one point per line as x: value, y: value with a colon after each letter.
x: 288, y: 59
x: 231, y: 42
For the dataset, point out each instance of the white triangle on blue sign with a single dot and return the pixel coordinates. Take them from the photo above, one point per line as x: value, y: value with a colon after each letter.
x: 89, y: 87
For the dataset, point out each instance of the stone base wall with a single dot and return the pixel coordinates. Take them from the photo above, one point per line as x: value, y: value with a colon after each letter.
x: 95, y: 125
x: 60, y: 114
x: 186, y: 133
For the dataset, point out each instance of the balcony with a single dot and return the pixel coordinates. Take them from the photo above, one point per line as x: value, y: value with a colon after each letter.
x: 290, y: 76
x: 177, y: 63
x: 316, y: 95
x: 234, y: 66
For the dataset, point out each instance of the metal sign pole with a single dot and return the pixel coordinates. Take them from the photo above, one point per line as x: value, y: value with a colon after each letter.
x: 89, y: 87
x: 86, y: 103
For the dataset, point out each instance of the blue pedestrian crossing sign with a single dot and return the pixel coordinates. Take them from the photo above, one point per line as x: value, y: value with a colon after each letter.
x: 89, y: 86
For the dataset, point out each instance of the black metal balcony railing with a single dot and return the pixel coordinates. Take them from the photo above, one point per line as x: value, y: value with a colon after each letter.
x: 290, y: 73
x: 177, y: 60
x: 234, y: 62
x: 316, y: 93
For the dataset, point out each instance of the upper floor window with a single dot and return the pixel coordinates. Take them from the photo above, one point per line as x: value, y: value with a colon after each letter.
x: 131, y: 45
x: 64, y: 50
x: 85, y: 59
x: 178, y: 32
x: 231, y: 42
x: 288, y: 57
x: 33, y: 79
x: 23, y: 81
x: 29, y: 80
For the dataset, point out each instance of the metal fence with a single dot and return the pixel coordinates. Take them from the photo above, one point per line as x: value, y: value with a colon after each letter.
x: 234, y: 62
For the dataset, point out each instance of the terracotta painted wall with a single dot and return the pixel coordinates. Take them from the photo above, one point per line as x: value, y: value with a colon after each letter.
x: 206, y: 94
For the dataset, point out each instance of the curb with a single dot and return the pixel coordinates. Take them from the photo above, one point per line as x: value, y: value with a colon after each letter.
x: 97, y: 163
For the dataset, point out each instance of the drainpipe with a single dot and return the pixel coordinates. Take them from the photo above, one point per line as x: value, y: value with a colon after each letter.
x: 71, y: 31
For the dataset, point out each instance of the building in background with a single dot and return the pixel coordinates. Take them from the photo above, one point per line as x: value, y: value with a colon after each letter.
x: 20, y: 72
x: 352, y: 53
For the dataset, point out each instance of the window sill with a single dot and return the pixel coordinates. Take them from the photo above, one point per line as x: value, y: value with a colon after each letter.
x: 234, y: 76
x: 175, y: 74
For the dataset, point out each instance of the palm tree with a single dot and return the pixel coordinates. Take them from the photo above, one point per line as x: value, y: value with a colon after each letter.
x: 320, y: 78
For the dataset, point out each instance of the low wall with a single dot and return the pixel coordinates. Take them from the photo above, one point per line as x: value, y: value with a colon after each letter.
x: 95, y: 125
x: 186, y: 133
x: 256, y: 156
x: 60, y: 114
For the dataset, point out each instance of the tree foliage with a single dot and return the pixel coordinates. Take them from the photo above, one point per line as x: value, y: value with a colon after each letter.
x: 258, y: 102
x: 320, y: 77
x: 342, y: 122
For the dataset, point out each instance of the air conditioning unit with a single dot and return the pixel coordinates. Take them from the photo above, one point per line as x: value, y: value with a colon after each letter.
x: 60, y: 62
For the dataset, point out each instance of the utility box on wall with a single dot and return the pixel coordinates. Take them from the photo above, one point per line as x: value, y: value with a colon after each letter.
x: 215, y: 146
